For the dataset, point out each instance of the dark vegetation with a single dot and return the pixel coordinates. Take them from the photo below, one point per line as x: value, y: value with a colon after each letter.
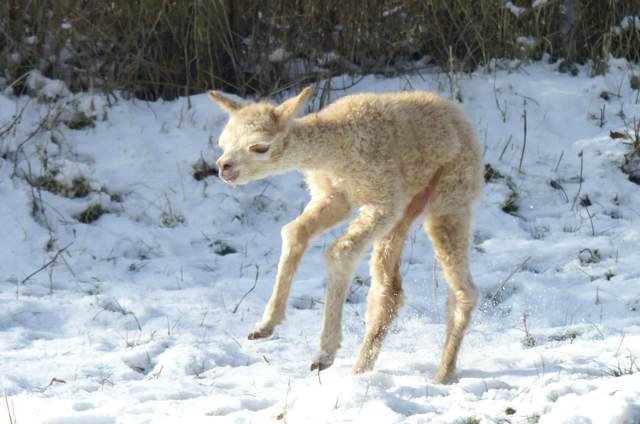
x: 154, y: 49
x: 91, y: 213
x: 202, y: 169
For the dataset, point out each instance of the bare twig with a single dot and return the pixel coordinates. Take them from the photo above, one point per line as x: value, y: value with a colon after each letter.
x: 619, y: 345
x: 10, y: 409
x: 365, y: 397
x: 557, y: 186
x: 53, y: 113
x: 504, y: 283
x: 529, y: 340
x: 593, y: 230
x: 13, y: 123
x: 233, y: 338
x: 43, y: 267
x: 20, y: 78
x: 54, y: 380
x: 524, y: 140
x: 575, y: 199
x: 559, y: 160
x: 502, y: 110
x: 504, y: 149
x: 283, y: 414
x: 255, y: 282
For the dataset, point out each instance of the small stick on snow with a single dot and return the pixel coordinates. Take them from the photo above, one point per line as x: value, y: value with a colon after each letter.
x: 504, y: 282
x: 524, y: 140
x: 559, y: 160
x: 10, y: 409
x: 504, y: 149
x: 43, y: 267
x: 593, y: 230
x: 619, y: 345
x: 238, y: 343
x: 575, y: 199
x: 283, y: 414
x: 365, y: 397
x: 255, y: 282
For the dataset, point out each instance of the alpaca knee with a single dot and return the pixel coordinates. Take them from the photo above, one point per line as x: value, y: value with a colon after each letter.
x: 294, y: 237
x: 398, y: 297
x: 339, y: 251
x: 467, y: 298
x: 340, y: 259
x: 385, y: 302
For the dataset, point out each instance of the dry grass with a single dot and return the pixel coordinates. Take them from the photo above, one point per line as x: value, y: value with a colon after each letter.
x: 165, y: 48
x: 202, y: 169
x: 78, y: 188
x: 91, y: 213
x: 631, y: 367
x: 631, y: 137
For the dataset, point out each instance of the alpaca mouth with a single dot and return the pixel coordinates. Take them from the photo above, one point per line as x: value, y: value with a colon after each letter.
x: 230, y: 176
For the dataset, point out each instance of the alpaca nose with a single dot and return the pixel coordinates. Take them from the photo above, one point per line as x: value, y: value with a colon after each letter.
x: 227, y: 169
x: 225, y: 165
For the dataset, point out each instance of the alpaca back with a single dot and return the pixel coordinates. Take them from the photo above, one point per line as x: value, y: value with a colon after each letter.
x: 410, y: 134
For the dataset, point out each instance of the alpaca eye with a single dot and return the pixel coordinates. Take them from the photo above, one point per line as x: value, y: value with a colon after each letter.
x: 259, y: 148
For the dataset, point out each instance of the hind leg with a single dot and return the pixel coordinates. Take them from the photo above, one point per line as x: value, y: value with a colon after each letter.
x: 341, y: 259
x: 385, y: 295
x: 385, y: 298
x: 450, y: 235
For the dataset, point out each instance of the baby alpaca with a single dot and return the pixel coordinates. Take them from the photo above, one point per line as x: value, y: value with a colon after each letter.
x: 393, y: 156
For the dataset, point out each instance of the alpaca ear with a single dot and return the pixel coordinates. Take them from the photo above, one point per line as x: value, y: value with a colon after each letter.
x: 292, y: 107
x: 230, y: 106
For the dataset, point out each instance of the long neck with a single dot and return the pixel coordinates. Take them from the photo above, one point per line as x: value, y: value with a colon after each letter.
x: 310, y: 141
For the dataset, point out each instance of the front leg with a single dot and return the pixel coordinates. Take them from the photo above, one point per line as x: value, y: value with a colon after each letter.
x: 320, y: 214
x: 341, y: 261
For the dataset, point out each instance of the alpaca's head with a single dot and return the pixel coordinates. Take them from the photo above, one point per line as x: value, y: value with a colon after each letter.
x: 254, y: 141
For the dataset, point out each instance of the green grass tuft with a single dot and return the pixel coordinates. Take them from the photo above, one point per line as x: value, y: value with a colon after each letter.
x: 91, y: 213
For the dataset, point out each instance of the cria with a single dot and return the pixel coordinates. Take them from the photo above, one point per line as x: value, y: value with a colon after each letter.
x: 393, y: 156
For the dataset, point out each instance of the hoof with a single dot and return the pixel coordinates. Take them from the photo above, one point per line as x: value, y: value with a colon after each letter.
x: 321, y: 362
x: 364, y: 362
x: 444, y: 377
x: 359, y: 369
x: 260, y: 333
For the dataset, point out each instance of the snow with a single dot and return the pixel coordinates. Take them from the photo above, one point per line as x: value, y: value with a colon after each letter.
x: 630, y: 21
x: 279, y: 55
x: 514, y: 9
x: 627, y: 23
x: 391, y: 11
x: 45, y: 87
x: 134, y: 322
x: 527, y: 41
x: 31, y: 40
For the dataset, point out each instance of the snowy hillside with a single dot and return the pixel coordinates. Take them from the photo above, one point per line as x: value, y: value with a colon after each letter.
x: 140, y: 315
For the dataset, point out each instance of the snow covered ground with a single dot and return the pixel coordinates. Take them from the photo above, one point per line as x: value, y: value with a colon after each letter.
x: 141, y: 318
